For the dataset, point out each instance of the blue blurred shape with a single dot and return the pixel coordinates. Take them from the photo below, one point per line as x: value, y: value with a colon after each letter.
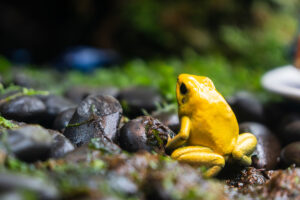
x: 86, y: 58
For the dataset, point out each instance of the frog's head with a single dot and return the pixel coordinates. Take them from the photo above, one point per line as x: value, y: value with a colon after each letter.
x: 193, y: 91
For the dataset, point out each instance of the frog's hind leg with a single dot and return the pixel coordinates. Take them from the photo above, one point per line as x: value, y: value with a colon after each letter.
x: 246, y: 144
x: 201, y: 156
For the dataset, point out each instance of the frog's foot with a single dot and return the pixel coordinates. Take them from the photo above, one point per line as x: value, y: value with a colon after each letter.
x: 246, y: 144
x: 200, y: 156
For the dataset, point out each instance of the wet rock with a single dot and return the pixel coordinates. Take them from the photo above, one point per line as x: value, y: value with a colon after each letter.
x: 246, y: 107
x: 77, y: 93
x: 291, y: 132
x: 24, y: 108
x: 42, y: 189
x: 168, y: 118
x: 55, y: 105
x: 28, y: 143
x: 144, y: 133
x: 135, y: 99
x: 268, y: 146
x: 290, y: 154
x: 60, y: 145
x: 95, y: 116
x: 284, y: 184
x: 63, y: 118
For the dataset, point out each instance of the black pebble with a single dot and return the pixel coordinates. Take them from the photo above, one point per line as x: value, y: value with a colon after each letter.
x: 24, y: 108
x: 268, y: 146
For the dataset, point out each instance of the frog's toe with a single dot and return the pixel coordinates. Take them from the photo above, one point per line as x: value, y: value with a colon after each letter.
x: 245, y: 146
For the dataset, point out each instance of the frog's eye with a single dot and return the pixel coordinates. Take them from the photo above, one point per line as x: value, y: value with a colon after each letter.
x: 183, y: 89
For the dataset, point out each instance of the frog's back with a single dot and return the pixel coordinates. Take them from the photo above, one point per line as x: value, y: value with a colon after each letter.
x: 215, y: 126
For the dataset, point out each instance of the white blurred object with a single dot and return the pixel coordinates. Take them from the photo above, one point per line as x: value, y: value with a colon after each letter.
x: 284, y: 81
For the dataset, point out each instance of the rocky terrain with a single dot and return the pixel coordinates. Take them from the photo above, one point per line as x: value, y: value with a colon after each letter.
x: 108, y: 143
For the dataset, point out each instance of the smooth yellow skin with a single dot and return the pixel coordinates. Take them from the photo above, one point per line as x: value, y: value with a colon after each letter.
x: 209, y: 132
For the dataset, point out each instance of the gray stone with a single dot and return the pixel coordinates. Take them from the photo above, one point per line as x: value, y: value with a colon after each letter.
x: 95, y: 116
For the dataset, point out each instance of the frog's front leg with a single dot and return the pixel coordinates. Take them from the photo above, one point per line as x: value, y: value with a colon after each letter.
x: 183, y: 135
x: 245, y: 146
x: 200, y: 156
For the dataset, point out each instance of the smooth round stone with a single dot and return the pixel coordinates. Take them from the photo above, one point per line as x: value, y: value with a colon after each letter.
x: 55, y: 105
x: 277, y: 114
x: 23, y: 80
x: 168, y: 118
x: 28, y: 143
x: 268, y: 146
x: 77, y: 93
x: 144, y: 133
x: 291, y: 132
x: 290, y: 154
x: 246, y: 107
x: 136, y: 99
x: 60, y: 145
x: 289, y: 118
x: 95, y: 116
x: 62, y: 119
x: 25, y: 108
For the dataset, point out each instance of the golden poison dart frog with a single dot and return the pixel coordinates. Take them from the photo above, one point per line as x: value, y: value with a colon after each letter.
x: 209, y: 133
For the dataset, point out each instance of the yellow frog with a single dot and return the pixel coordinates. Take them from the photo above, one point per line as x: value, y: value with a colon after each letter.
x: 209, y: 132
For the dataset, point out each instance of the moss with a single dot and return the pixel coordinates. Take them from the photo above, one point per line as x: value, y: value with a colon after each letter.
x: 158, y: 139
x: 79, y: 124
x: 20, y: 92
x: 104, y: 145
x: 98, y: 164
x: 4, y: 123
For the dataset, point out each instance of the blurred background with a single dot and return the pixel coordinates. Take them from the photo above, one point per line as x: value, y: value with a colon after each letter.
x: 145, y: 42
